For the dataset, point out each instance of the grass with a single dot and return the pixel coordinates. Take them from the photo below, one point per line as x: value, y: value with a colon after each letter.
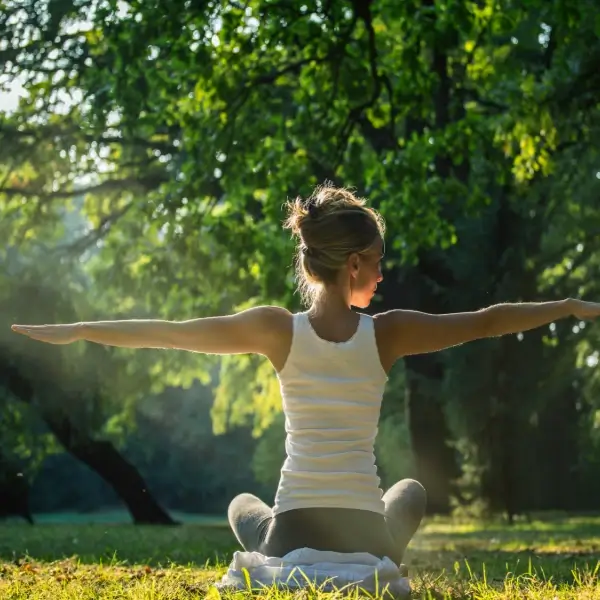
x: 550, y: 558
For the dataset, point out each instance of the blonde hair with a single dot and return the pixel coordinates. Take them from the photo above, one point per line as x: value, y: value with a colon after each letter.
x: 329, y: 225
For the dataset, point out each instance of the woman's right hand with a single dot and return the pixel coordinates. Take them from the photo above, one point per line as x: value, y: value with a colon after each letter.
x: 584, y: 310
x: 51, y: 334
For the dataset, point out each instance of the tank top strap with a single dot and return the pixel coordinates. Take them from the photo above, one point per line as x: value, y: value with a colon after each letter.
x: 366, y: 339
x: 300, y: 337
x: 302, y: 329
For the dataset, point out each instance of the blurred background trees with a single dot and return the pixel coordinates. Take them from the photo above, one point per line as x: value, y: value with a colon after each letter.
x: 143, y: 171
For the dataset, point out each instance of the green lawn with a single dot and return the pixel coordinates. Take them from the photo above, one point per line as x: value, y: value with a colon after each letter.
x: 551, y: 558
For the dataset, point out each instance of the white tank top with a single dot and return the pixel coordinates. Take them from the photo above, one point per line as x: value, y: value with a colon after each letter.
x: 332, y: 396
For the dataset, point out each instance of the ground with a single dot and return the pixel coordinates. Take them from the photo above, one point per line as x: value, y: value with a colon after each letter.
x: 555, y: 558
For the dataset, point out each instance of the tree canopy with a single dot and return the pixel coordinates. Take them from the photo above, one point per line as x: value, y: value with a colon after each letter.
x: 145, y: 170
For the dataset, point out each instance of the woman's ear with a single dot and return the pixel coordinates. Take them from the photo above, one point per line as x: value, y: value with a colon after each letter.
x: 354, y: 264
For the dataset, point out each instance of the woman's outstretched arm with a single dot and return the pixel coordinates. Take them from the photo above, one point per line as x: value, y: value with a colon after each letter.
x: 412, y: 332
x: 249, y: 331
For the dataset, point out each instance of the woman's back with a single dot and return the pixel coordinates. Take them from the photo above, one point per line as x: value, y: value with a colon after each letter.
x: 331, y: 398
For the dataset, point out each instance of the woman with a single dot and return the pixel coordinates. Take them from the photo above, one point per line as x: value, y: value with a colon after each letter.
x: 332, y: 364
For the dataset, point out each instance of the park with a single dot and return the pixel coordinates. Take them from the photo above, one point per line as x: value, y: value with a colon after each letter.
x: 147, y: 153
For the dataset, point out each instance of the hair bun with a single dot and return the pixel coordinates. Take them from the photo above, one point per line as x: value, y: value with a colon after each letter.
x: 298, y: 212
x: 312, y: 208
x: 301, y: 211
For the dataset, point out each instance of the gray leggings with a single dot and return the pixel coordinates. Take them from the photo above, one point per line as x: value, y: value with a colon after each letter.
x: 335, y: 529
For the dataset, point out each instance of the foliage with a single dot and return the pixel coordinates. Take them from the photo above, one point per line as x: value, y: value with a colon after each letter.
x: 169, y: 128
x: 247, y: 390
x: 79, y: 379
x: 393, y: 451
x: 23, y: 439
x: 199, y: 473
x: 158, y: 140
x: 270, y: 453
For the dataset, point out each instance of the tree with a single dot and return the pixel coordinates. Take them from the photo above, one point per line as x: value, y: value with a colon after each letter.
x: 204, y: 118
x: 65, y: 393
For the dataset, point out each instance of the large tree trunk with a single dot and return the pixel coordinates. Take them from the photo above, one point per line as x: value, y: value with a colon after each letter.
x: 435, y: 459
x: 501, y: 438
x: 558, y: 446
x: 14, y: 491
x: 422, y: 287
x: 100, y: 456
x: 508, y: 432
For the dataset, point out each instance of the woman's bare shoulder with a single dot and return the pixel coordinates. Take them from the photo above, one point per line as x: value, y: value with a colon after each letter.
x: 274, y: 315
x: 278, y: 323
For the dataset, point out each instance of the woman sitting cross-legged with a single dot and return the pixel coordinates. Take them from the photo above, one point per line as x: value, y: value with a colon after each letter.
x: 332, y: 364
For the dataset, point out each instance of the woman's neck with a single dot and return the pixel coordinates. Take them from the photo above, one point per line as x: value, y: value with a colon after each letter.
x: 331, y: 304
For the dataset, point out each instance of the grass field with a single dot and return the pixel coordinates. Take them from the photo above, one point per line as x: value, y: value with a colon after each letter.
x: 551, y: 558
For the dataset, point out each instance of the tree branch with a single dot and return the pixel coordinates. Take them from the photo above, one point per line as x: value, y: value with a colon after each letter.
x: 362, y: 9
x: 267, y: 78
x: 145, y: 184
x: 57, y: 131
x: 470, y: 94
x: 85, y: 242
x: 337, y: 64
